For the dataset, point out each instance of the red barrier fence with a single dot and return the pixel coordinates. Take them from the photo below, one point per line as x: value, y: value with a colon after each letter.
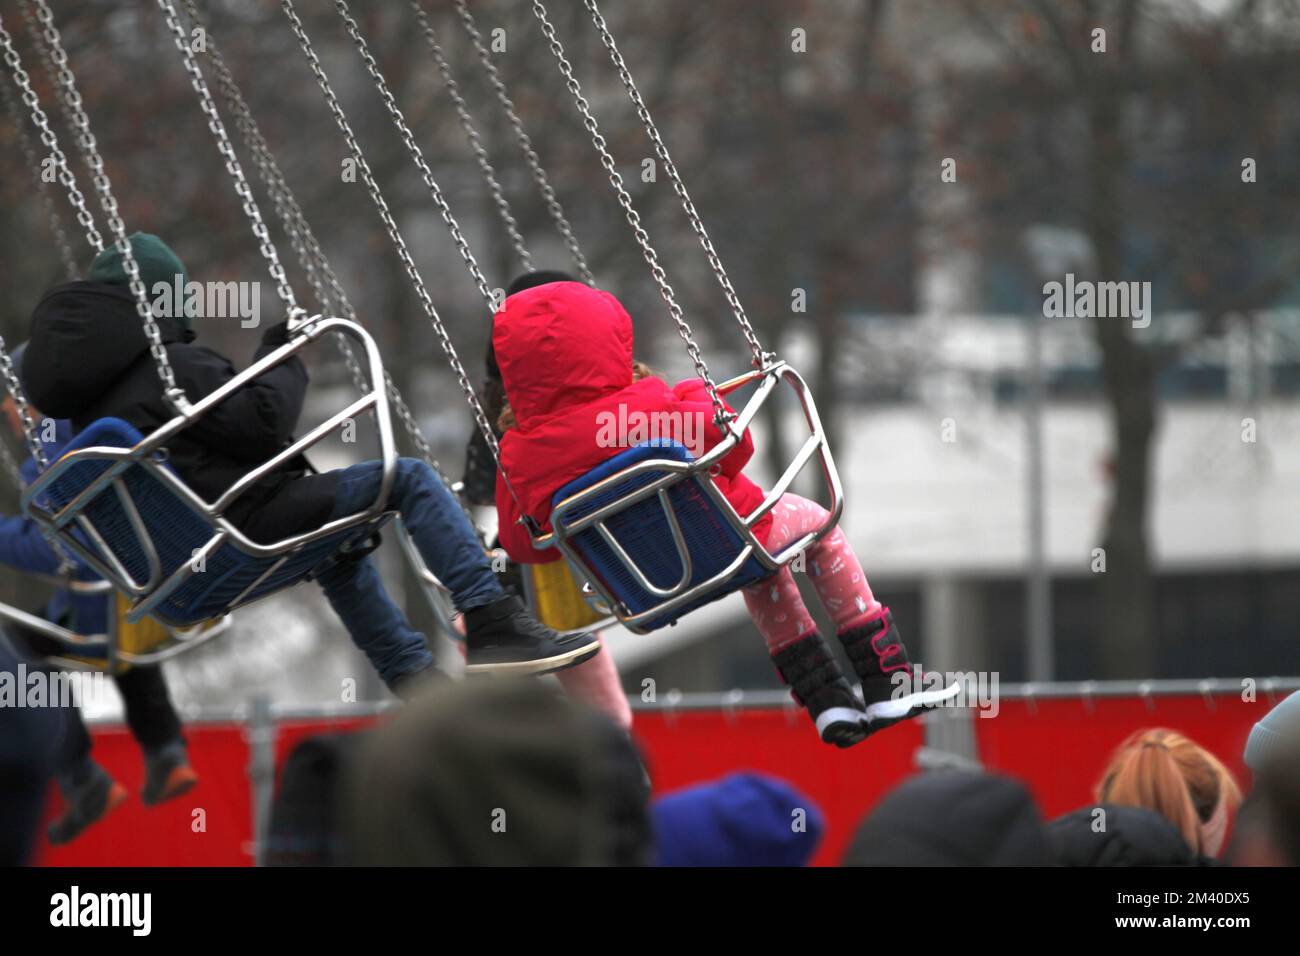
x: 1058, y: 745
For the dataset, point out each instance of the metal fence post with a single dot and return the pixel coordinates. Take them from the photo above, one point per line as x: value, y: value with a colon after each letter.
x: 260, y: 733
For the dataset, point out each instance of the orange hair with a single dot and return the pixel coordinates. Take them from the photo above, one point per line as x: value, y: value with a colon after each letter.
x: 1166, y: 772
x: 506, y: 420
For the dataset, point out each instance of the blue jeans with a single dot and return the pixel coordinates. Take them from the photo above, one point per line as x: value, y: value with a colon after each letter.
x: 444, y: 538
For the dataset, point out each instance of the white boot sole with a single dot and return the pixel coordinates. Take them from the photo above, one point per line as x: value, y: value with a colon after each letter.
x: 896, y: 708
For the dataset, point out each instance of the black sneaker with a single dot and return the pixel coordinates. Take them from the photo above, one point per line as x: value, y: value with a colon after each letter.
x: 503, y: 638
x: 816, y: 683
x: 879, y: 657
x: 85, y: 803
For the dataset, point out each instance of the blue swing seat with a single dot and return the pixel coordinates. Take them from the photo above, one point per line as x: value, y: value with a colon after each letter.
x: 644, y: 532
x: 173, y: 530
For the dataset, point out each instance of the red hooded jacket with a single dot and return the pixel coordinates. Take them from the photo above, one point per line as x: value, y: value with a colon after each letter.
x: 565, y: 353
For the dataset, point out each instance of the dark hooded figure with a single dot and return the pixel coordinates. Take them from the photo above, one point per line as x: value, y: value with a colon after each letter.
x: 952, y: 818
x: 1118, y: 835
x: 500, y: 773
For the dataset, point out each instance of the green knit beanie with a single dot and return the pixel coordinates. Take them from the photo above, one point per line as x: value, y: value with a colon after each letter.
x: 158, y: 264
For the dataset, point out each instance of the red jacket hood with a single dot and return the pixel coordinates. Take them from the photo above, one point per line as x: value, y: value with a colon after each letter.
x: 561, y: 345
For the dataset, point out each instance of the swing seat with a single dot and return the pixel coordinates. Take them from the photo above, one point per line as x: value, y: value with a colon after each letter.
x: 679, y: 548
x: 655, y: 538
x: 145, y: 524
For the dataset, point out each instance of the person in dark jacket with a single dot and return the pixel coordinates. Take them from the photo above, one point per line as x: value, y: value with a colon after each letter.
x: 88, y: 358
x: 952, y: 818
x: 28, y: 742
x: 1117, y: 835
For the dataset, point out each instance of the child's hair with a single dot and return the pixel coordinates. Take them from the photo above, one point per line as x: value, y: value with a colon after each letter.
x: 506, y: 420
x: 1166, y: 772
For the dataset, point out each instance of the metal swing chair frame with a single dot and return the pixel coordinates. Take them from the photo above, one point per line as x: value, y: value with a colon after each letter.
x: 62, y: 500
x: 576, y: 516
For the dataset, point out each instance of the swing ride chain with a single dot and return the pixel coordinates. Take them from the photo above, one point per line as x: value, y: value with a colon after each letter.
x: 24, y: 408
x: 761, y: 358
x: 394, y: 234
x: 417, y: 155
x: 286, y: 207
x: 47, y: 200
x: 721, y: 416
x: 305, y: 244
x: 103, y: 187
x: 475, y: 141
x: 525, y: 144
x: 46, y: 61
x: 50, y: 141
x: 218, y: 129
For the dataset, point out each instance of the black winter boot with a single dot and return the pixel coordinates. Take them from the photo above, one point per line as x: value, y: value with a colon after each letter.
x: 815, y: 681
x: 882, y: 665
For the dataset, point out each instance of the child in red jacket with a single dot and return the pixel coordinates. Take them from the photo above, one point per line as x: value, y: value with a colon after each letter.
x: 565, y: 353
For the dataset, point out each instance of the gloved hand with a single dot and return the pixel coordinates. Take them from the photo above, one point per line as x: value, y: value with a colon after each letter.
x: 273, y: 336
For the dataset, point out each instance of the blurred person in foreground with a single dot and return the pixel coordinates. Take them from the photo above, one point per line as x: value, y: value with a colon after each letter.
x: 1164, y: 771
x: 1268, y: 826
x: 744, y: 819
x: 952, y: 818
x: 500, y: 773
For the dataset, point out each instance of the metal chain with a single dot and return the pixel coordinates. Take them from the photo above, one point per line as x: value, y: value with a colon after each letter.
x: 33, y: 161
x: 104, y: 190
x: 47, y: 63
x: 254, y: 215
x: 761, y: 358
x: 525, y: 144
x: 306, y: 247
x: 15, y: 389
x: 49, y: 140
x: 417, y: 155
x: 475, y: 141
x: 721, y: 415
x: 395, y: 235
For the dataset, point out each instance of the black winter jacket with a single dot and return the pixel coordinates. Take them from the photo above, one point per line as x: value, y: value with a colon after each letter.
x: 88, y: 358
x: 1131, y: 836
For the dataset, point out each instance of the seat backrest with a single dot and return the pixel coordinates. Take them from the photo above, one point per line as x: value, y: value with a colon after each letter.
x: 643, y: 531
x: 173, y: 527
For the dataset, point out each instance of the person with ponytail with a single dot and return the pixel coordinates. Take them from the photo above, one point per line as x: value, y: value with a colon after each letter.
x: 1164, y: 771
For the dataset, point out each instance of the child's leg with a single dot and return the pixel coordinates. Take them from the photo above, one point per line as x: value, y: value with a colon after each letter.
x: 596, y: 683
x: 800, y: 654
x: 438, y: 527
x: 778, y: 610
x: 831, y: 564
x: 156, y: 727
x: 376, y: 625
x: 863, y: 625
